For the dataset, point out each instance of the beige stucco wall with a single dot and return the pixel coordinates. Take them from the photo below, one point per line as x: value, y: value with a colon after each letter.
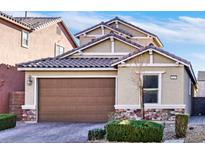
x: 157, y: 58
x: 172, y: 91
x: 187, y: 96
x: 41, y: 43
x: 102, y: 47
x: 29, y: 89
x: 105, y: 47
x: 122, y: 47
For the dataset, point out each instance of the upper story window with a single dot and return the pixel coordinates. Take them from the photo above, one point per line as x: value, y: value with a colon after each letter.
x: 150, y: 88
x: 59, y: 50
x: 24, y: 39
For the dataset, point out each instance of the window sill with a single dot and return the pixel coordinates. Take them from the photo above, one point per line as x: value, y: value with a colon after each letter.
x: 24, y: 46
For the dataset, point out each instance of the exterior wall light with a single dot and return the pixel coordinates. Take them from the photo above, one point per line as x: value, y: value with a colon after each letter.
x: 29, y: 80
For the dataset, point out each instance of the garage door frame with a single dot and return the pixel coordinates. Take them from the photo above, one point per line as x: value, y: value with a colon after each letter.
x: 67, y: 77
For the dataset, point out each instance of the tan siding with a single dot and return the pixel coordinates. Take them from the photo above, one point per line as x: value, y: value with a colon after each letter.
x: 142, y: 59
x: 172, y: 90
x: 123, y: 47
x: 85, y: 39
x: 162, y: 59
x: 102, y: 47
x: 97, y: 31
x: 41, y: 43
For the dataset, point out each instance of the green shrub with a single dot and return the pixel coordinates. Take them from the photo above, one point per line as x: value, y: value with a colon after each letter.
x: 96, y: 134
x: 134, y: 131
x: 181, y: 124
x: 7, y: 121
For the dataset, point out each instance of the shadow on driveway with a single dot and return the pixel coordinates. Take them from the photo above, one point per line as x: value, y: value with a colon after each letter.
x: 48, y: 133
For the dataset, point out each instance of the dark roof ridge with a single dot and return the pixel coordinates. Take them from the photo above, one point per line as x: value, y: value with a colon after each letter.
x: 117, y: 18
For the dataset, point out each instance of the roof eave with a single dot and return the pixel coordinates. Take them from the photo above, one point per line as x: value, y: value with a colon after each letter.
x: 65, y: 69
x: 16, y: 23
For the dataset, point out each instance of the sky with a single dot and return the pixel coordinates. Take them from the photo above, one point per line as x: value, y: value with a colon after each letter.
x: 182, y: 33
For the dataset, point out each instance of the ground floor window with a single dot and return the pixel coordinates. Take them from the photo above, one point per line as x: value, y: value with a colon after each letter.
x: 150, y: 88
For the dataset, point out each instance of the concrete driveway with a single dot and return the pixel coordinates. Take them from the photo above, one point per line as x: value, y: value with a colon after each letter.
x: 48, y: 133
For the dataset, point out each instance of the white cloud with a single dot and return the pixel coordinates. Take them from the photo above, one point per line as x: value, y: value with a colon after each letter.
x: 81, y: 20
x: 22, y: 14
x: 183, y: 29
x: 199, y: 56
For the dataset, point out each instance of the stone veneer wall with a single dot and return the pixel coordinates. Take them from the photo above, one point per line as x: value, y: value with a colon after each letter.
x: 16, y: 100
x: 29, y: 115
x: 150, y: 114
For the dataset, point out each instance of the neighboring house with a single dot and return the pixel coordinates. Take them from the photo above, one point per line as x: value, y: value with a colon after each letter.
x: 26, y: 39
x: 89, y: 82
x: 201, y: 84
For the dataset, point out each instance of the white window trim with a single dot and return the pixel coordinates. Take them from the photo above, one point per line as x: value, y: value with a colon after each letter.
x: 56, y: 44
x: 35, y: 83
x: 22, y: 44
x: 159, y: 73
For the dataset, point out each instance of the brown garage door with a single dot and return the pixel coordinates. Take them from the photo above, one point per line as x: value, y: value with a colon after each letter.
x: 76, y: 100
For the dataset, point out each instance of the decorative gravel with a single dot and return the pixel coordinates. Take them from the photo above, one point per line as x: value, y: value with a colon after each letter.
x: 195, y: 134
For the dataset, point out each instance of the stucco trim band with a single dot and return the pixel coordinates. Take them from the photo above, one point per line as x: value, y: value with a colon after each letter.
x: 151, y: 106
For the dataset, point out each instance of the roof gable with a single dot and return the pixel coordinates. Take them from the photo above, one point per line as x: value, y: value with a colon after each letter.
x: 157, y: 50
x: 102, y: 24
x: 108, y: 24
x: 173, y: 57
x: 98, y: 40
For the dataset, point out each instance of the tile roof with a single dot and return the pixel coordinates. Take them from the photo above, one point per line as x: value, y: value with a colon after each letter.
x: 101, y: 38
x: 108, y: 26
x: 31, y: 23
x: 116, y: 18
x: 36, y: 22
x: 119, y: 19
x: 13, y: 19
x: 188, y: 65
x: 77, y: 62
x: 120, y: 30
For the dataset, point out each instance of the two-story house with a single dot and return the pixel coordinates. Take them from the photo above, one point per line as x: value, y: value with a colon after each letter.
x: 26, y: 39
x: 104, y: 75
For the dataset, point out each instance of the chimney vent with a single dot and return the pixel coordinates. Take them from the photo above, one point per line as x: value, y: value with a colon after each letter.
x: 26, y: 14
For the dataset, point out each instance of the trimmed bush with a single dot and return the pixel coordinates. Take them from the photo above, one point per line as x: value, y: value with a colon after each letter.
x: 134, y: 131
x: 181, y: 124
x: 7, y: 121
x: 96, y: 134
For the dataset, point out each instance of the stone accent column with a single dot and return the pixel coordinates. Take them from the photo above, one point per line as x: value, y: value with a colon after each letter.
x: 16, y: 100
x: 29, y: 115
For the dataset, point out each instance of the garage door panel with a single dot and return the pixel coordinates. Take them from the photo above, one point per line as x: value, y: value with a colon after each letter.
x: 77, y: 92
x: 76, y: 100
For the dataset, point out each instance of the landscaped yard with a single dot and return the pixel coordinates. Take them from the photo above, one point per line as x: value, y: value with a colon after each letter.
x: 195, y: 134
